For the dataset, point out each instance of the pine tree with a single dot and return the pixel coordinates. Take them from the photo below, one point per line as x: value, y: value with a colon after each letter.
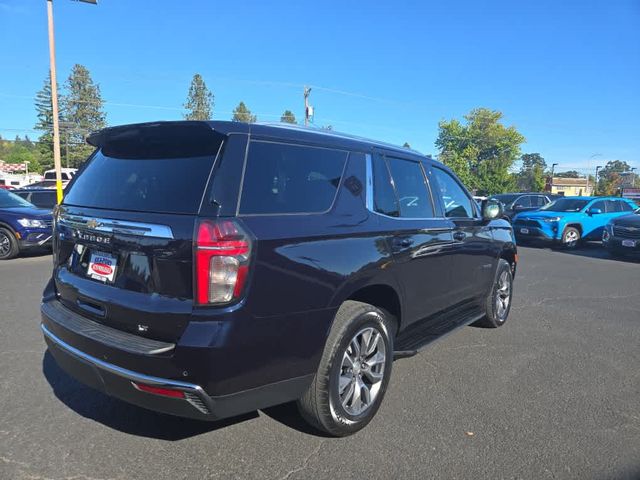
x: 44, y: 112
x: 242, y: 114
x: 199, y: 103
x: 83, y: 110
x: 288, y: 117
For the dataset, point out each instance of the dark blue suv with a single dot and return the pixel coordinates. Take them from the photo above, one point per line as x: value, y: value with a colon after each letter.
x: 206, y: 269
x: 22, y: 225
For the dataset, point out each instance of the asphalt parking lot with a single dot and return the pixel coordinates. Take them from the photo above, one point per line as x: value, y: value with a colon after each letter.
x: 553, y: 394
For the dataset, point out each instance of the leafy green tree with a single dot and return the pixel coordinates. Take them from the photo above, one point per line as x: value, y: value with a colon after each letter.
x: 44, y: 113
x: 568, y: 174
x: 242, y: 114
x: 481, y: 151
x: 610, y: 178
x: 22, y: 151
x: 531, y: 177
x: 82, y: 108
x: 288, y: 117
x: 199, y: 102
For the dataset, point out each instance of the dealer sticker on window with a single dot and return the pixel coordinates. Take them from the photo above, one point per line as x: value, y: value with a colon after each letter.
x: 102, y: 267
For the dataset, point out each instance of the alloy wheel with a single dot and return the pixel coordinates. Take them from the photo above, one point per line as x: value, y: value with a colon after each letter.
x: 503, y: 295
x: 362, y: 371
x: 571, y: 238
x: 5, y: 244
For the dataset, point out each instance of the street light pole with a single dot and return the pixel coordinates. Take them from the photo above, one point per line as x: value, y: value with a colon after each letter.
x: 595, y: 186
x: 54, y: 102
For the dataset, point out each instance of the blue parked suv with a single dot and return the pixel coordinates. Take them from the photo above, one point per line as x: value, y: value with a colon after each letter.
x: 22, y: 225
x: 568, y: 220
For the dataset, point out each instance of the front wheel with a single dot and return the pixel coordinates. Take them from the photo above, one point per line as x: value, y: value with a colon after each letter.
x: 498, y: 303
x: 8, y: 245
x: 354, y: 371
x: 570, y: 237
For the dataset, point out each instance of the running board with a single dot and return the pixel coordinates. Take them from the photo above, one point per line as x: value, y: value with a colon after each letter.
x: 398, y: 354
x: 415, y: 339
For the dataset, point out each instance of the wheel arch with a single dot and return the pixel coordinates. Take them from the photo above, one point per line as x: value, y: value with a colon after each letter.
x: 575, y: 225
x: 8, y: 227
x: 509, y: 253
x: 382, y: 294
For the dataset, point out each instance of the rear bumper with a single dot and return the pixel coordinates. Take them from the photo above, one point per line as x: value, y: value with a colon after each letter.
x: 119, y: 382
x: 103, y: 360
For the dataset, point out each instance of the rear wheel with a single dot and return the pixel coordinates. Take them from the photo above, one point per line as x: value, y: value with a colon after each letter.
x: 498, y: 303
x: 8, y: 244
x: 570, y: 237
x: 354, y: 371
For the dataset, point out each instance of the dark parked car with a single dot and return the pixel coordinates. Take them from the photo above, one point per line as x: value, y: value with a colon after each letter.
x: 515, y: 203
x: 621, y: 235
x: 22, y: 225
x: 41, y: 198
x: 206, y: 269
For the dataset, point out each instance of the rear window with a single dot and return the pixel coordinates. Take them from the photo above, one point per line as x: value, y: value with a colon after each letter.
x: 284, y: 178
x: 168, y: 185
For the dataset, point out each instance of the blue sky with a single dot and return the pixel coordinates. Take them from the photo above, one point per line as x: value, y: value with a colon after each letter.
x: 565, y: 73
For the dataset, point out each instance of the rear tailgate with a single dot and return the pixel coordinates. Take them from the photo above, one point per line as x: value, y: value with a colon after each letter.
x: 124, y: 242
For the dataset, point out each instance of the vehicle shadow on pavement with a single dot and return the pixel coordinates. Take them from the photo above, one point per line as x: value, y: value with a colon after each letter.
x: 122, y: 416
x: 588, y: 249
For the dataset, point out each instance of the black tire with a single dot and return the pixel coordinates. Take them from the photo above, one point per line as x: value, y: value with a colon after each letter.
x: 321, y: 405
x: 571, y: 237
x: 494, y: 315
x: 9, y: 247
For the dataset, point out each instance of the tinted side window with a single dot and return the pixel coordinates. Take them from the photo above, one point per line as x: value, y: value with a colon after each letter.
x: 411, y: 188
x: 384, y: 196
x: 538, y: 201
x: 285, y: 178
x: 523, y: 201
x: 600, y: 204
x: 625, y: 207
x: 43, y: 199
x: 612, y: 206
x: 454, y: 199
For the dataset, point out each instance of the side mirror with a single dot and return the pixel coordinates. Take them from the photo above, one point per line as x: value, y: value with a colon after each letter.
x: 594, y: 211
x: 492, y: 209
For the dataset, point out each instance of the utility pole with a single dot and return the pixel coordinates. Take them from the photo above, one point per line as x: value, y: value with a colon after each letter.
x: 595, y: 186
x: 54, y: 96
x: 308, y: 109
x: 633, y: 178
x: 54, y: 102
x: 553, y: 169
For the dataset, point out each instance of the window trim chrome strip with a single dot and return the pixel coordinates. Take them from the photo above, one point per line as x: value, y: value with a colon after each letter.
x: 108, y: 225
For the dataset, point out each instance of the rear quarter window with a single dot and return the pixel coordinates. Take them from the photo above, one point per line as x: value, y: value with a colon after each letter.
x: 286, y: 178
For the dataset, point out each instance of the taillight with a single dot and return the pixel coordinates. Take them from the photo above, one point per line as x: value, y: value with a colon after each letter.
x: 222, y: 254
